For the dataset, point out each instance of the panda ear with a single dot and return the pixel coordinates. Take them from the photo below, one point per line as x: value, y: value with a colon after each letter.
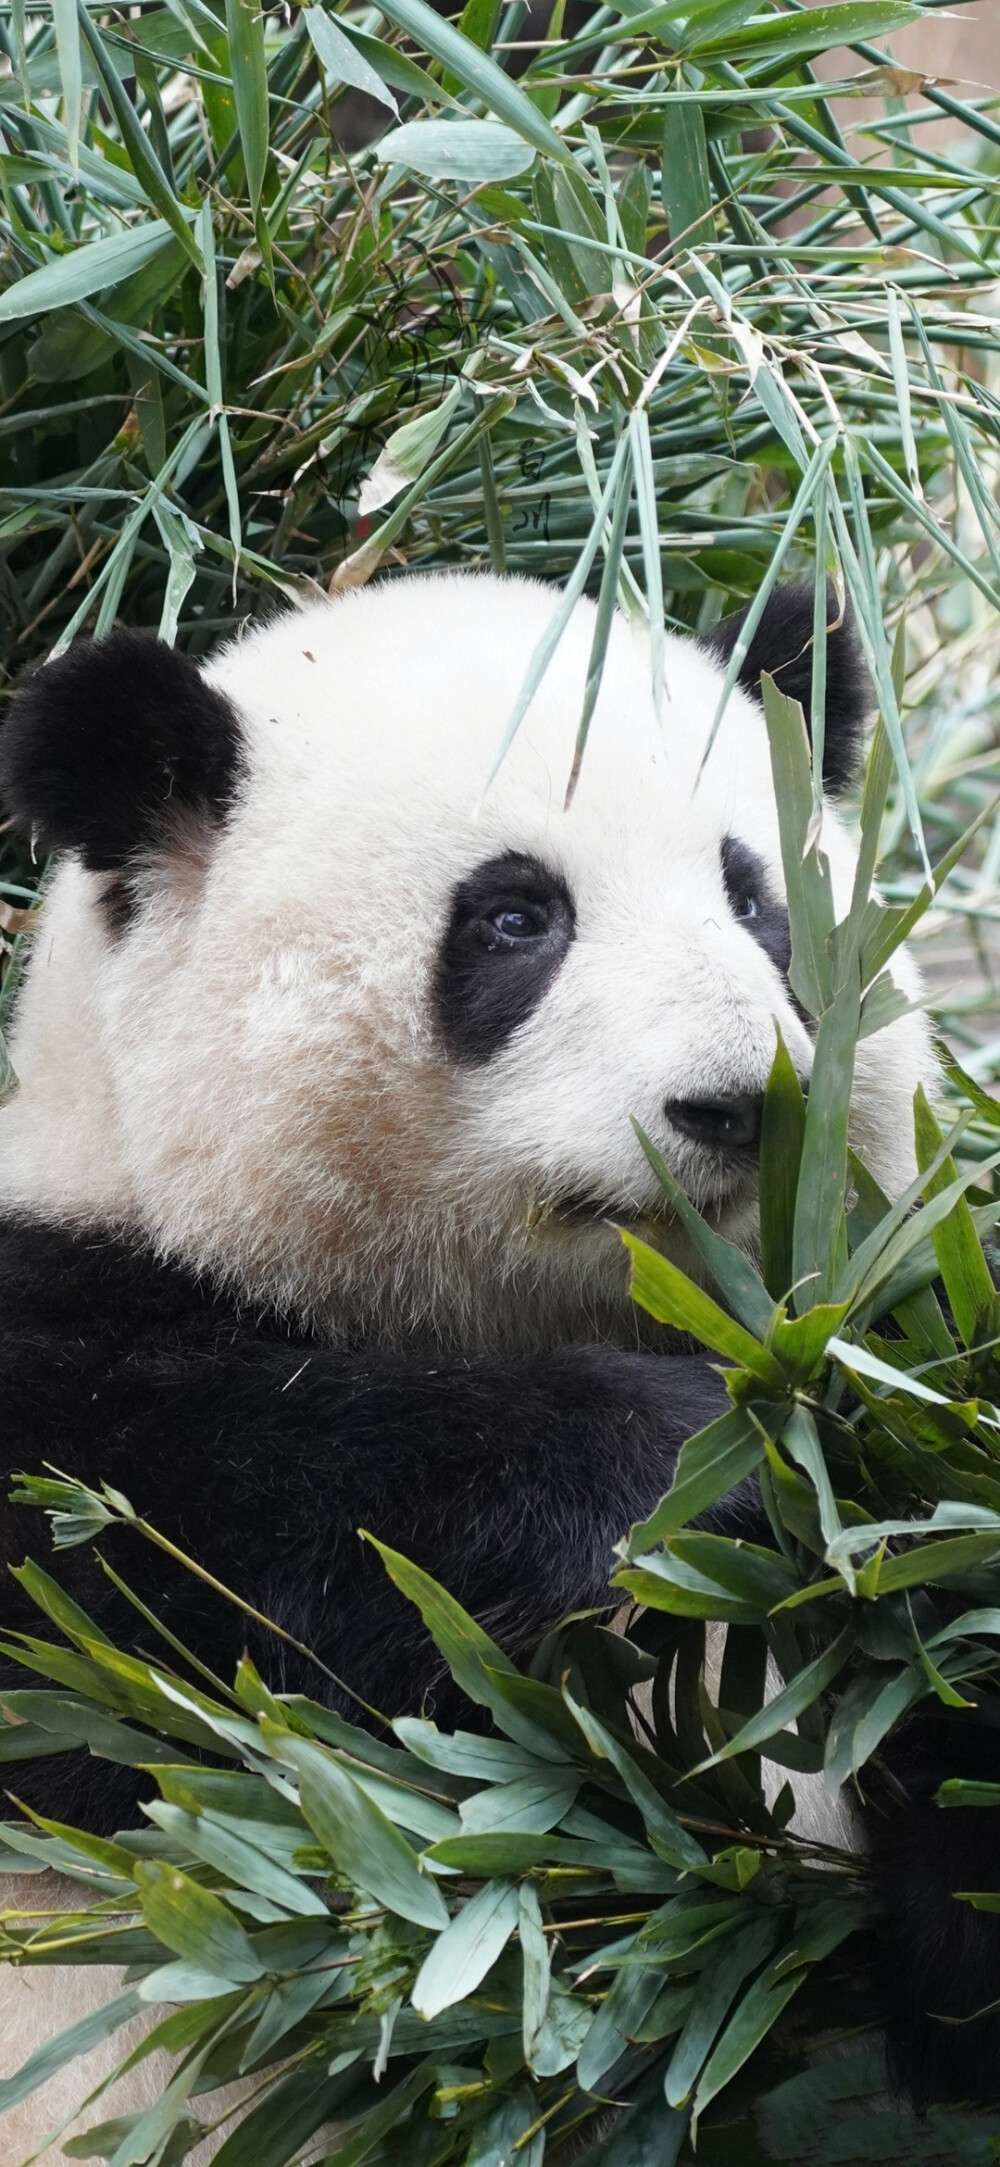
x: 105, y: 744
x: 782, y: 645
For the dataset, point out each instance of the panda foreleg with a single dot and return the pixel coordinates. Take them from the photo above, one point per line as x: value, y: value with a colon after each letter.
x: 940, y: 1957
x: 509, y: 1480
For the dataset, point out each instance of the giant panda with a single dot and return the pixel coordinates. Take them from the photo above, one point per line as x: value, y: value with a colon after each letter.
x: 327, y: 1053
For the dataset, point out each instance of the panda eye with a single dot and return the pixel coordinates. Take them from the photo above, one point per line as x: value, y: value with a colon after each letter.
x: 744, y: 878
x: 516, y: 922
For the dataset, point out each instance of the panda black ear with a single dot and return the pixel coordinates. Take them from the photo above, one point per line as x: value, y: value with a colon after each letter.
x: 782, y: 645
x: 104, y: 744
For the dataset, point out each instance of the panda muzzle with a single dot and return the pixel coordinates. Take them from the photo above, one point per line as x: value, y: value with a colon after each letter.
x: 726, y: 1124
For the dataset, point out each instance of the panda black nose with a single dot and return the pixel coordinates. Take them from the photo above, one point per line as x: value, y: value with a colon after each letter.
x: 725, y: 1124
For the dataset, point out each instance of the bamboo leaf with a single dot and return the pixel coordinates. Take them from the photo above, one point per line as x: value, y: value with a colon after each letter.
x: 245, y: 27
x: 781, y: 1138
x: 472, y: 151
x: 660, y: 1288
x: 142, y: 157
x: 196, y: 1924
x: 709, y: 1465
x: 733, y: 1273
x: 90, y: 269
x: 342, y: 62
x: 956, y: 1244
x: 364, y: 1846
x: 477, y: 72
x: 467, y: 1949
x: 800, y: 1693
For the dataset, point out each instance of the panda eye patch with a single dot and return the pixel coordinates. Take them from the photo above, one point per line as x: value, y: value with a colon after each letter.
x: 752, y: 903
x: 509, y: 926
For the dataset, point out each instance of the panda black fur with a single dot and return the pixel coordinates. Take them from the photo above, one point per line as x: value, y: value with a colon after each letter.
x: 323, y: 1120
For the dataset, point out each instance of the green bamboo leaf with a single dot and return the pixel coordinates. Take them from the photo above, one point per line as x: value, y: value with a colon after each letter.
x: 242, y: 1863
x: 537, y: 1802
x: 536, y: 1968
x: 800, y: 1343
x: 70, y: 70
x: 801, y: 1441
x: 901, y: 380
x: 807, y: 873
x: 782, y: 1130
x: 342, y: 62
x: 616, y: 2022
x: 378, y: 2121
x: 709, y: 1465
x: 733, y: 1273
x: 610, y: 577
x: 213, y: 371
x: 89, y: 269
x: 744, y: 1952
x: 563, y: 201
x: 248, y: 60
x: 364, y: 1845
x: 475, y: 1661
x: 55, y: 1604
x: 880, y: 1255
x: 648, y: 2133
x: 407, y: 451
x: 633, y: 198
x: 477, y: 72
x: 971, y: 1623
x: 957, y: 1247
x: 801, y: 1692
x: 54, y: 1722
x: 660, y: 1288
x: 142, y: 158
x: 471, y: 151
x: 667, y: 1583
x: 931, y: 1563
x: 279, y: 2125
x: 462, y: 1753
x: 291, y: 2001
x: 490, y: 1855
x: 684, y: 178
x: 194, y: 1923
x: 984, y: 1104
x: 467, y: 1949
x: 776, y: 39
x: 669, y: 1839
x: 819, y: 1242
x: 759, y: 1577
x: 813, y: 476
x: 395, y: 67
x: 864, y: 1714
x: 645, y: 498
x: 757, y: 2013
x: 565, y: 606
x: 956, y: 1791
x: 863, y: 1363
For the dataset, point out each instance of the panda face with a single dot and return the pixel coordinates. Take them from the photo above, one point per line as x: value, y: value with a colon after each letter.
x: 363, y: 1037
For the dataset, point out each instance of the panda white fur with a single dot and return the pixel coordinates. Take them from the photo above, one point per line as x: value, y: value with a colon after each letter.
x: 327, y: 1060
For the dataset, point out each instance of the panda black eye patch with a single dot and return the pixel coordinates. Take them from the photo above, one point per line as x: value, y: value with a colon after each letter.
x: 752, y: 904
x: 510, y: 923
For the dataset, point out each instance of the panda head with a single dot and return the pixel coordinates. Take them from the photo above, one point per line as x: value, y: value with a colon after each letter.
x: 314, y: 1013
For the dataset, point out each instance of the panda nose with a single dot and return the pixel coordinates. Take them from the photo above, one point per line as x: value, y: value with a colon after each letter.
x: 725, y: 1124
